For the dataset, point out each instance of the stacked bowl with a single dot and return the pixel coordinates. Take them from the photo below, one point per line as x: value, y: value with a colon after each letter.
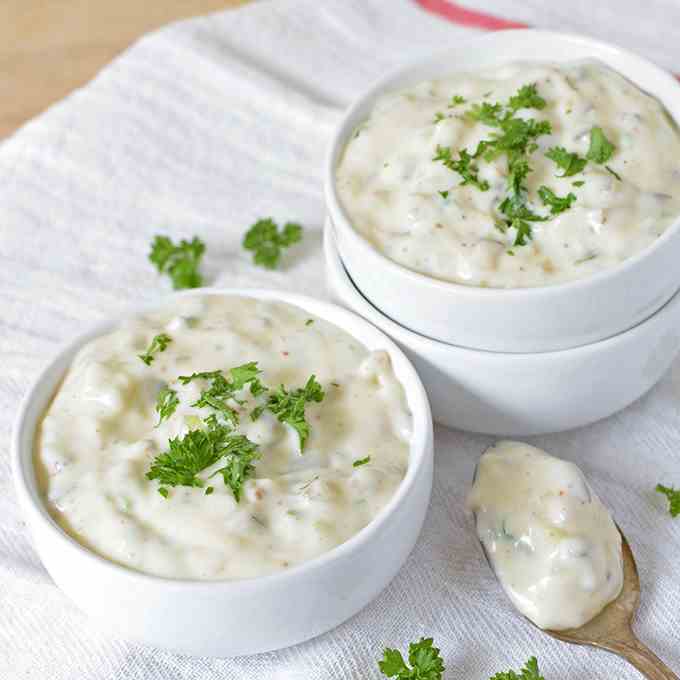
x: 516, y: 361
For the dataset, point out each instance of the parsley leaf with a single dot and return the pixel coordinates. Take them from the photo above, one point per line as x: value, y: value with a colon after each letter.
x: 439, y: 117
x: 529, y: 672
x: 423, y: 657
x: 557, y: 204
x: 514, y: 137
x: 601, y: 149
x: 257, y: 412
x: 267, y: 242
x: 571, y: 163
x: 198, y: 450
x: 517, y: 135
x: 464, y: 166
x: 524, y: 232
x: 393, y: 664
x: 489, y: 114
x: 518, y: 169
x: 361, y: 461
x: 527, y: 97
x: 247, y: 374
x: 221, y: 390
x: 184, y: 459
x: 166, y: 403
x: 518, y: 216
x: 158, y: 344
x: 240, y: 453
x: 457, y: 100
x: 179, y: 262
x: 514, y: 208
x: 289, y: 407
x: 205, y: 375
x: 673, y: 496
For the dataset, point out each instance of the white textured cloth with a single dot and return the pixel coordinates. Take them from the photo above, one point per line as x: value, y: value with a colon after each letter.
x: 201, y: 128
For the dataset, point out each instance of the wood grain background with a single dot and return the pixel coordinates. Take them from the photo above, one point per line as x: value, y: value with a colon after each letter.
x: 50, y: 47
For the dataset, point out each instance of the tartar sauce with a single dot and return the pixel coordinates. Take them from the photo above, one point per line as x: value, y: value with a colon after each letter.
x: 413, y: 208
x: 552, y: 543
x: 100, y: 435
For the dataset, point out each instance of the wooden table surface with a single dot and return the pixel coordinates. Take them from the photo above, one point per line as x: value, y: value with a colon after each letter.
x: 50, y: 47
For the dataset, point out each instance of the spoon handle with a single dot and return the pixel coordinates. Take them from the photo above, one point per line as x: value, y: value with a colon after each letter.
x: 644, y: 659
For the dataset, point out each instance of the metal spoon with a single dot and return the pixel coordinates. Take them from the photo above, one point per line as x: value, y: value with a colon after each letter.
x: 612, y: 628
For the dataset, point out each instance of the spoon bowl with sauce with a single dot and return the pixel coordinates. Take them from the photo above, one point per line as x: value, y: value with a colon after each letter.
x: 557, y: 552
x: 612, y: 628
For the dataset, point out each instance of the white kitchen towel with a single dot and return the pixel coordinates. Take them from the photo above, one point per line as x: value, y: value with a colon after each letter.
x: 200, y: 128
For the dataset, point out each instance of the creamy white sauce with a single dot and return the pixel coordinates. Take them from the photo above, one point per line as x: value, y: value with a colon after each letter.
x: 99, y: 436
x: 552, y: 543
x: 389, y: 184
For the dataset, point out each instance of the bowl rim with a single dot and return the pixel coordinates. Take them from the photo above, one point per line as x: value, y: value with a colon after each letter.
x: 389, y: 82
x: 426, y: 344
x: 23, y: 469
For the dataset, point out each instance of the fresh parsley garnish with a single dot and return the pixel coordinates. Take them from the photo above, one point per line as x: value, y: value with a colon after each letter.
x: 523, y: 234
x: 203, y: 375
x: 200, y: 449
x: 361, y: 461
x: 215, y: 439
x: 222, y: 390
x: 578, y: 183
x: 456, y: 100
x: 185, y: 458
x: 613, y: 172
x: 166, y: 403
x: 443, y: 194
x: 246, y: 374
x: 515, y: 138
x: 239, y: 454
x: 464, y: 166
x: 529, y: 672
x: 423, y: 658
x: 518, y: 216
x: 439, y: 117
x: 257, y: 412
x: 267, y: 242
x: 601, y: 149
x: 289, y: 407
x: 527, y: 97
x: 158, y: 344
x: 557, y: 204
x: 179, y: 262
x: 570, y: 162
x: 673, y: 496
x: 518, y: 169
x: 489, y: 114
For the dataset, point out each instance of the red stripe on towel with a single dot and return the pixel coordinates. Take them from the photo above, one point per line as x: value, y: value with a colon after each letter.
x: 467, y: 17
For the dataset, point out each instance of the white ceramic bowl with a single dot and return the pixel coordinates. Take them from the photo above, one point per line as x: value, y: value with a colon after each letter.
x: 228, y: 618
x: 521, y: 319
x: 525, y: 394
